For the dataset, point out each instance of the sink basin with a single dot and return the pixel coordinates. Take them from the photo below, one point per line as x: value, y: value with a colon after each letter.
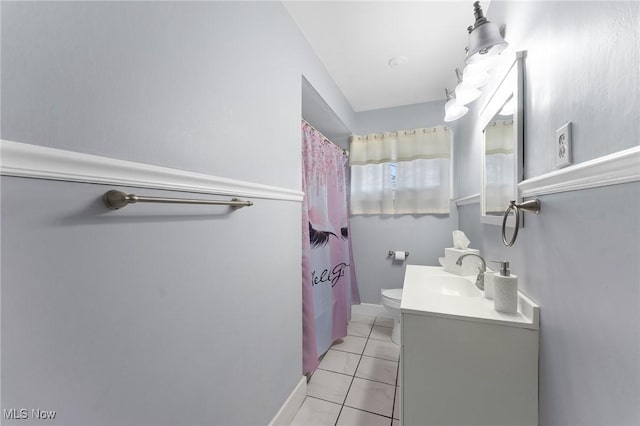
x: 452, y: 286
x: 434, y: 292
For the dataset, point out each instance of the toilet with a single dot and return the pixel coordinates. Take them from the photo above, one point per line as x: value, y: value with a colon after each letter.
x: 391, y: 298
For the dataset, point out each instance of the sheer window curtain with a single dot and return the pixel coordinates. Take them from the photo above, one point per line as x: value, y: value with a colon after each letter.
x: 403, y: 172
x: 499, y: 173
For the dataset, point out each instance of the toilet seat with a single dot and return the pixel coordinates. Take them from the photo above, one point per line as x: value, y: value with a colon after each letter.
x: 392, y: 297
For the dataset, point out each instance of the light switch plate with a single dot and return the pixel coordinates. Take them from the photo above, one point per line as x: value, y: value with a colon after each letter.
x: 563, y: 146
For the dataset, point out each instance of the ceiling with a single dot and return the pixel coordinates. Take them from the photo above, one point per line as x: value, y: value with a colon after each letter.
x: 355, y: 40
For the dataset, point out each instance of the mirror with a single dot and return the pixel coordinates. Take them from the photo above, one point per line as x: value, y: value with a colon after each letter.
x: 501, y: 121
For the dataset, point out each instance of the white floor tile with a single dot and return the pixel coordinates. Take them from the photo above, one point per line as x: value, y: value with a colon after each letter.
x: 380, y: 349
x: 365, y: 319
x: 340, y: 362
x: 381, y: 333
x: 396, y: 404
x: 316, y: 412
x: 384, y: 322
x: 371, y: 396
x: 351, y: 344
x: 352, y: 417
x: 358, y: 329
x: 378, y: 369
x: 329, y: 386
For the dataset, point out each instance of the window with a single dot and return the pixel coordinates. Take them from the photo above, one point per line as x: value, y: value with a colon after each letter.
x: 404, y: 172
x: 392, y: 170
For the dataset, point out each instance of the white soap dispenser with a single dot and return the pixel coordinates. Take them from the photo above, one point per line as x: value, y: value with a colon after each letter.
x: 488, y: 284
x: 505, y: 290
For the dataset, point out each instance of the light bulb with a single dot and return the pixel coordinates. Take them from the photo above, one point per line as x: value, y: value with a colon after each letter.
x: 476, y: 75
x: 453, y: 110
x: 466, y: 94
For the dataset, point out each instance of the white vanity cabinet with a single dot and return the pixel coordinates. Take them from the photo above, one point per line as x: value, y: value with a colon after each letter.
x: 463, y: 363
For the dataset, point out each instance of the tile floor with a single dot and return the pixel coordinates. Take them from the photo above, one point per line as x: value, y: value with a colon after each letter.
x: 356, y: 383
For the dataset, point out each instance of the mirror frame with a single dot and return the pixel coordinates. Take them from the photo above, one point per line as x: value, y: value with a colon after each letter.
x: 502, y: 91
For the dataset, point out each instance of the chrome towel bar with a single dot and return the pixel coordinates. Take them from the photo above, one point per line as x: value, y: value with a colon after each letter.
x: 117, y: 199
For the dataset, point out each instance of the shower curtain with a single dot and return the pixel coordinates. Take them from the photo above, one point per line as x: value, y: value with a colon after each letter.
x: 328, y: 277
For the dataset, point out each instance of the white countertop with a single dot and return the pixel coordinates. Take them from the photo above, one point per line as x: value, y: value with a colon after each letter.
x: 418, y: 299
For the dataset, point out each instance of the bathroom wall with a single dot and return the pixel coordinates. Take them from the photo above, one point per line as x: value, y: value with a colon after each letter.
x: 319, y: 114
x: 578, y: 259
x: 424, y: 236
x: 154, y: 314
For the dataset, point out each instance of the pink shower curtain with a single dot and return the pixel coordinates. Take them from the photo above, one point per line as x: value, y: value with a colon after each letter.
x: 328, y: 277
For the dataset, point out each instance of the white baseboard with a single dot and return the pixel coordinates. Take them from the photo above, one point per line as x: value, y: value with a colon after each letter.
x: 288, y: 411
x: 371, y: 310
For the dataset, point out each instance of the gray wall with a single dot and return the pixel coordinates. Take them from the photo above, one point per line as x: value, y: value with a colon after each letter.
x: 166, y: 83
x: 157, y: 314
x: 425, y: 236
x: 427, y: 114
x: 469, y: 220
x: 320, y: 115
x: 578, y: 259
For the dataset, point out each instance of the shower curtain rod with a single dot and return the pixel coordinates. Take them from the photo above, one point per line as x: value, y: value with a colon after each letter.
x: 326, y: 139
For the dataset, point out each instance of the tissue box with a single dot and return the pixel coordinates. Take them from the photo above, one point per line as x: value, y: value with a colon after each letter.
x: 469, y: 266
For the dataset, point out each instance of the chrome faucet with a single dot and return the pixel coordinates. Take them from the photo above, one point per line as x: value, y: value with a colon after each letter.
x: 481, y: 269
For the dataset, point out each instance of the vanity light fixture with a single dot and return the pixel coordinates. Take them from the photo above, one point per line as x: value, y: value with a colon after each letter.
x: 485, y: 40
x: 452, y: 109
x: 465, y: 93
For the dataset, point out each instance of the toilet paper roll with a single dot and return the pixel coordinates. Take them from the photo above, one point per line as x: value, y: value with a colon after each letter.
x: 505, y: 293
x: 398, y: 255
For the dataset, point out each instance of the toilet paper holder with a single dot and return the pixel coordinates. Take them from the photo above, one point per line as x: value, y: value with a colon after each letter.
x: 393, y: 252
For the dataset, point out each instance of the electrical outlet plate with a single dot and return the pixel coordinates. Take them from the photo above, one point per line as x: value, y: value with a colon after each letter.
x: 563, y: 146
